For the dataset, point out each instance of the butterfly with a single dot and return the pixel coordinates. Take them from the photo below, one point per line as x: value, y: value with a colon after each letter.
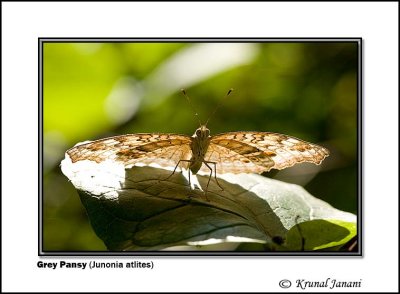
x: 233, y: 152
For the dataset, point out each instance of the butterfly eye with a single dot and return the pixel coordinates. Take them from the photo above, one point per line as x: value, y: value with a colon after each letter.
x: 198, y: 132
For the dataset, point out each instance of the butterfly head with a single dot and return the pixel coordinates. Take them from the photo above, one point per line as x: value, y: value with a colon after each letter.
x: 202, y: 132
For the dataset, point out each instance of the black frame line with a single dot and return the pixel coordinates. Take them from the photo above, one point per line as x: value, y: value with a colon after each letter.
x: 149, y: 254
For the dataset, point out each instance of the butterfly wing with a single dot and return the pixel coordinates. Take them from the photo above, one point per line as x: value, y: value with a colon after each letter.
x: 257, y: 152
x: 162, y: 149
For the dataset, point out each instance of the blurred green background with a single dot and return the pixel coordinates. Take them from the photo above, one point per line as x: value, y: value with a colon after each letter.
x: 96, y: 90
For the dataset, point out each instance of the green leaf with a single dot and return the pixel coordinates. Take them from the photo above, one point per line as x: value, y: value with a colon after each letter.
x: 140, y: 209
x: 320, y: 234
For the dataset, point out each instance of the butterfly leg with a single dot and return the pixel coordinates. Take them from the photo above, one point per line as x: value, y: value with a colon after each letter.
x: 190, y: 185
x: 184, y: 160
x: 215, y: 173
x: 176, y: 166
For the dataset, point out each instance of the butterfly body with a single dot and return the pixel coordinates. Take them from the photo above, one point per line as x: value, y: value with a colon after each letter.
x: 199, y: 147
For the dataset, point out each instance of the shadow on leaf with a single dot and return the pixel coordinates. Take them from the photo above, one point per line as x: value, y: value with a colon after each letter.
x: 149, y: 213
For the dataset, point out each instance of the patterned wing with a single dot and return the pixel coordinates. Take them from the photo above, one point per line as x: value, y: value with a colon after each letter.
x: 162, y: 149
x: 257, y: 152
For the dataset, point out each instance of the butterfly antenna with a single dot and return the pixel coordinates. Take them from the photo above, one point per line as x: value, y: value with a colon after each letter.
x: 191, y: 105
x: 219, y: 104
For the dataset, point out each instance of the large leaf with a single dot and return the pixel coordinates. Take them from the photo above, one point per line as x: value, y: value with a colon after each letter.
x: 145, y: 208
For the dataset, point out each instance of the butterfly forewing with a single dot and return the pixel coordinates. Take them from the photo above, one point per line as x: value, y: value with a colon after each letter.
x: 233, y: 156
x: 162, y: 149
x: 257, y: 152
